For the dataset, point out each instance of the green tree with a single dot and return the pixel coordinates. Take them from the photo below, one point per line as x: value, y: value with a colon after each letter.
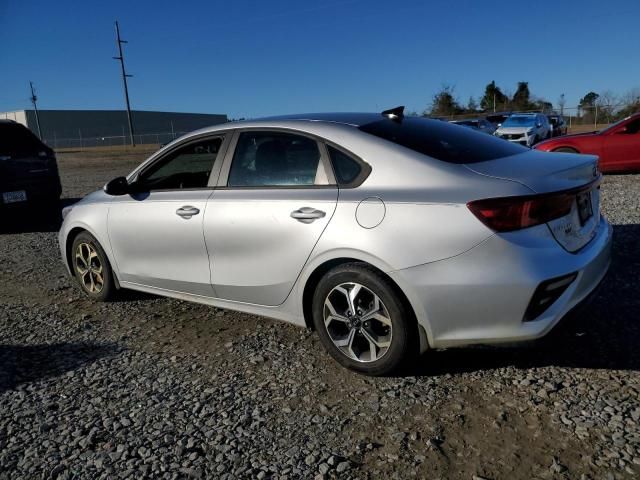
x: 522, y: 98
x: 587, y: 106
x: 444, y: 103
x: 589, y: 100
x: 493, y: 98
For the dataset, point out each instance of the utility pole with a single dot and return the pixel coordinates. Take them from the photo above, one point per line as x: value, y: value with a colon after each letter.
x: 119, y: 42
x: 34, y: 100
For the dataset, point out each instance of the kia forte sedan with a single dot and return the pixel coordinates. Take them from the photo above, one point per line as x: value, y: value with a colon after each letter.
x: 388, y: 235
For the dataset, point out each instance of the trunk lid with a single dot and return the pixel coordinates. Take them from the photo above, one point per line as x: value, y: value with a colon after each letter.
x: 17, y: 171
x: 545, y: 173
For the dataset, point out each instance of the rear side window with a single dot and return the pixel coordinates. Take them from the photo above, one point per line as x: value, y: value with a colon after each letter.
x: 273, y: 159
x: 345, y: 168
x: 18, y: 141
x: 442, y: 141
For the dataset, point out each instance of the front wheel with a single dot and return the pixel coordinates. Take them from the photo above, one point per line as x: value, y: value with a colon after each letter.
x: 91, y: 268
x: 361, y: 320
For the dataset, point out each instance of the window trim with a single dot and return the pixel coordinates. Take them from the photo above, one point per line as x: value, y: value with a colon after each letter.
x: 160, y: 156
x: 223, y: 178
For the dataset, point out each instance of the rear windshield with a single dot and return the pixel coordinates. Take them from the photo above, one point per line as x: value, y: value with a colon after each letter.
x: 16, y: 140
x: 442, y: 141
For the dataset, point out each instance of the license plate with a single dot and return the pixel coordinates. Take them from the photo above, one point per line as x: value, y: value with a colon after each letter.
x: 13, y: 197
x: 585, y: 209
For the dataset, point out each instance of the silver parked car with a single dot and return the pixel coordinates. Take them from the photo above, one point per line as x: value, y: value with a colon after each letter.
x: 525, y: 128
x: 386, y: 234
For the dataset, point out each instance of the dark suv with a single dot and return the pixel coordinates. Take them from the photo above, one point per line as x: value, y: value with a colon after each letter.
x: 558, y: 125
x: 28, y: 170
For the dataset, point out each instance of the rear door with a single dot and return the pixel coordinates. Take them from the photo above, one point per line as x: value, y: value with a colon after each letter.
x: 275, y: 197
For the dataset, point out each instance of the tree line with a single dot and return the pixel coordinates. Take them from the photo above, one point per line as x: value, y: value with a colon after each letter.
x: 605, y: 105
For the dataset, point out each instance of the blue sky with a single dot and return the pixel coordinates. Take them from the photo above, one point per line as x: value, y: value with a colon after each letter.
x: 254, y: 58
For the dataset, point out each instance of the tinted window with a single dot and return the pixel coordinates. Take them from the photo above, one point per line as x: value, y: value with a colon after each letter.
x: 274, y: 159
x: 345, y: 168
x: 187, y: 167
x: 17, y: 140
x: 442, y: 141
x: 634, y: 126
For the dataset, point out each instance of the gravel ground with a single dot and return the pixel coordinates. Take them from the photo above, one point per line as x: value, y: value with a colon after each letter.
x: 147, y: 387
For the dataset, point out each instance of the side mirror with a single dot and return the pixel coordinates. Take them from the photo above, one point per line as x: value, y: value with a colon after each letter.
x: 116, y: 187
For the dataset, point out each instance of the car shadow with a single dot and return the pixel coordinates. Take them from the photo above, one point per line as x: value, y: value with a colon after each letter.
x: 604, y: 334
x: 34, y: 218
x: 21, y: 364
x: 125, y: 295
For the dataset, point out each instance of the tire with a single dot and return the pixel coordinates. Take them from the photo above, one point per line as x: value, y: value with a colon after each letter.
x: 565, y: 150
x: 393, y: 329
x: 86, y: 247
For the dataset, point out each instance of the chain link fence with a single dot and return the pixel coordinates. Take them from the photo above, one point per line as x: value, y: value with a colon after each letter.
x: 578, y: 119
x: 81, y: 142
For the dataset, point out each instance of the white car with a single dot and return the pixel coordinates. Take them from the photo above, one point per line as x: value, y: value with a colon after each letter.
x: 525, y: 128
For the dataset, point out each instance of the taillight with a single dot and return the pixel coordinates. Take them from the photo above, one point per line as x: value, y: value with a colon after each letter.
x: 513, y: 213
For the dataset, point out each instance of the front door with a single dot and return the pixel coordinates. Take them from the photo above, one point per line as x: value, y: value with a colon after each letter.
x: 263, y: 222
x: 622, y: 147
x: 156, y: 234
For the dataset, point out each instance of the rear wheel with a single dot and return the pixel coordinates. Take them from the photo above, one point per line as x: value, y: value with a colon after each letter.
x: 361, y: 320
x: 565, y: 150
x: 91, y: 267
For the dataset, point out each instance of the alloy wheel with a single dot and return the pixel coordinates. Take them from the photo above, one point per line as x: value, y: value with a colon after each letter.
x: 357, y: 322
x: 89, y: 268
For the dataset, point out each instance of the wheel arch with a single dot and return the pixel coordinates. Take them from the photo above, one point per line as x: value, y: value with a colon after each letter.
x: 320, y: 270
x: 565, y: 147
x: 71, y: 236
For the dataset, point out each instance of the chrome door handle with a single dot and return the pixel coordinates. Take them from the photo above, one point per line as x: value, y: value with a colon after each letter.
x: 187, y: 211
x: 307, y: 214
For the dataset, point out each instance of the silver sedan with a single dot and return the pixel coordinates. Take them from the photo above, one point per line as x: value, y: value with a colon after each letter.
x: 386, y: 234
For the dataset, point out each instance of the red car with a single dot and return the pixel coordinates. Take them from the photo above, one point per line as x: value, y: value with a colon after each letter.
x: 618, y: 146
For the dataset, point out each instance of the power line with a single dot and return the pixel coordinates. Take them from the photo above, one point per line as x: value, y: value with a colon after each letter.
x: 119, y: 42
x: 34, y: 100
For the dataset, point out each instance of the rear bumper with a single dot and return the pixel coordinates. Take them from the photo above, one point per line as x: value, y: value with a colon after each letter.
x: 481, y: 295
x: 38, y: 191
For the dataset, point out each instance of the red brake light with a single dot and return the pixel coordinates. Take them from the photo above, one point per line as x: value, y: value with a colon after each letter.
x: 513, y: 213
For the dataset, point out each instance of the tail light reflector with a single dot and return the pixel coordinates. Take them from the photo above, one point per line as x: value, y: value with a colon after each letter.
x: 546, y: 294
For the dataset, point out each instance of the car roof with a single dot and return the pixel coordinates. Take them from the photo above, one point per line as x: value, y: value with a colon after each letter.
x: 355, y: 119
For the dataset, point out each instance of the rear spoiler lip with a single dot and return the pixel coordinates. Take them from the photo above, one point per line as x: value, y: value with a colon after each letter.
x: 595, y: 183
